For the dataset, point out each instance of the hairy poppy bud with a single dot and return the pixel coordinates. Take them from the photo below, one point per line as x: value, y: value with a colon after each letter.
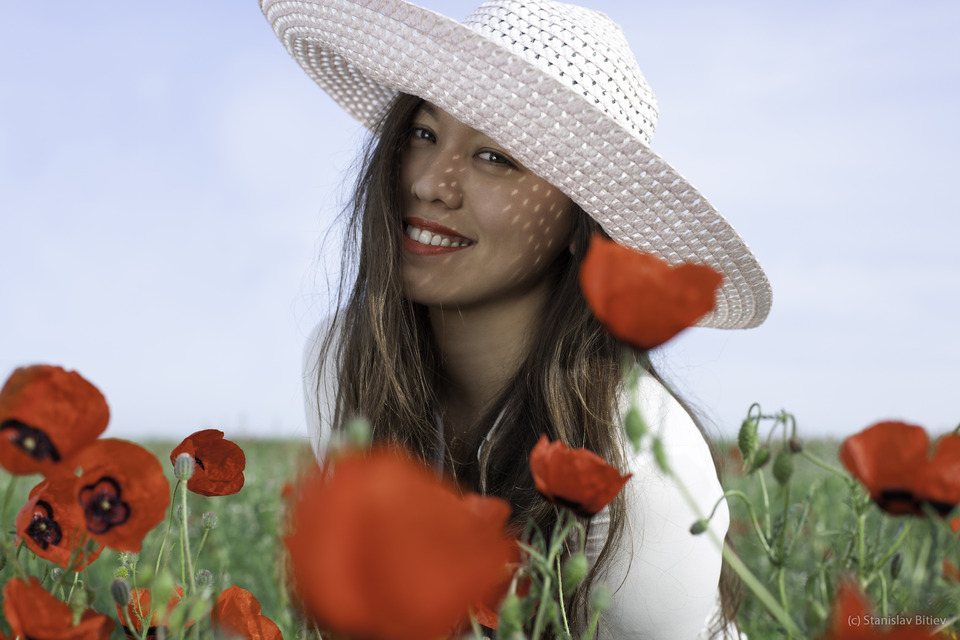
x: 760, y: 458
x: 79, y: 600
x: 204, y: 578
x: 747, y: 439
x: 635, y: 426
x: 699, y: 526
x: 122, y: 572
x: 574, y: 571
x: 783, y: 466
x: 209, y: 520
x: 796, y: 445
x: 600, y: 597
x: 660, y: 455
x: 510, y: 616
x: 183, y: 467
x: 120, y: 591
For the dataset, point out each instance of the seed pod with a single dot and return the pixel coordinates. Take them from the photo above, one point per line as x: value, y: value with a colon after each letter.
x: 204, y: 578
x: 183, y: 467
x: 796, y: 445
x: 209, y: 520
x: 760, y: 458
x: 699, y: 526
x: 120, y: 591
x: 783, y: 466
x: 121, y: 572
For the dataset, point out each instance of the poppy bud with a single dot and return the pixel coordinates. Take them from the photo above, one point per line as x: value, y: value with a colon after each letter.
x: 359, y: 433
x: 574, y: 571
x: 55, y: 573
x: 510, y: 616
x: 760, y: 458
x: 896, y: 563
x: 122, y: 572
x: 600, y: 597
x: 79, y: 600
x: 783, y: 466
x: 796, y: 445
x: 209, y: 520
x: 699, y: 526
x: 635, y: 426
x: 660, y: 455
x: 183, y: 467
x: 747, y: 439
x: 120, y: 591
x: 204, y: 578
x: 180, y: 512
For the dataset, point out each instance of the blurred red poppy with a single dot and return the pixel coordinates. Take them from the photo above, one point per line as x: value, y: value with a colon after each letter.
x: 383, y: 549
x: 46, y: 416
x: 237, y: 614
x: 122, y: 491
x: 52, y: 525
x: 891, y: 460
x: 219, y: 463
x: 574, y: 478
x: 641, y: 299
x: 33, y: 613
x: 139, y: 609
x: 852, y: 619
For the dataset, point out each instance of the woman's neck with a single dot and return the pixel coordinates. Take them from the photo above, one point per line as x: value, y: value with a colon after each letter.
x: 481, y: 350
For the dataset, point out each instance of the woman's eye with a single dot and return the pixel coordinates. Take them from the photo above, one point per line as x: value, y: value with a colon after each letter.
x: 422, y: 133
x: 495, y: 157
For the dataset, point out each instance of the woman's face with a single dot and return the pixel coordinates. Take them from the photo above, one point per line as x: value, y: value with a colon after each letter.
x: 478, y: 227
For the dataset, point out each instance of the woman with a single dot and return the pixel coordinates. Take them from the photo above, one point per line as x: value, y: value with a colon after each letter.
x: 502, y: 144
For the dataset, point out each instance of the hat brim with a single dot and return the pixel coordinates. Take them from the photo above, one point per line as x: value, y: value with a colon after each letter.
x: 362, y: 54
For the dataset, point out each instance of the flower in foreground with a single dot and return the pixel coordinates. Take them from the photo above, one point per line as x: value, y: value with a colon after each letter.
x: 33, y: 613
x: 139, y: 609
x: 891, y: 459
x: 122, y: 491
x: 383, y: 549
x: 47, y: 415
x: 52, y: 525
x: 574, y: 478
x: 641, y: 299
x: 219, y: 463
x: 852, y: 616
x: 237, y: 614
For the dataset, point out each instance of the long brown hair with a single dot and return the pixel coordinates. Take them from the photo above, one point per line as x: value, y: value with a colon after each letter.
x: 389, y: 371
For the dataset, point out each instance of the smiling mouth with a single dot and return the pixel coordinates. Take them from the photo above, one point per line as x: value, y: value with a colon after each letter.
x: 430, y: 233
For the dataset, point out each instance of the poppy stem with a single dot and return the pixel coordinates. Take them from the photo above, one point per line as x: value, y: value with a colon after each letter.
x: 166, y: 534
x: 185, y: 542
x: 563, y: 609
x: 823, y: 465
x: 734, y: 493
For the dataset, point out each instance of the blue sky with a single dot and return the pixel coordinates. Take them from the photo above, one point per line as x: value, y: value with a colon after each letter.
x: 167, y: 173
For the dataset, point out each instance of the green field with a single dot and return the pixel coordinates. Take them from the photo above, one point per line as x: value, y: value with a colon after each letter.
x: 812, y: 531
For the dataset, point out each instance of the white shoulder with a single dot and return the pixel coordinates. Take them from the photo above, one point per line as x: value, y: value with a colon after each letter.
x: 665, y: 579
x: 319, y: 387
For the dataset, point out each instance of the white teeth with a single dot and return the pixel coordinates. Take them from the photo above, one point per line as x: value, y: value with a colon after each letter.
x: 426, y: 237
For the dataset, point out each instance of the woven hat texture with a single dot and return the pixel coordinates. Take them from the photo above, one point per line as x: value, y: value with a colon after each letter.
x: 554, y: 84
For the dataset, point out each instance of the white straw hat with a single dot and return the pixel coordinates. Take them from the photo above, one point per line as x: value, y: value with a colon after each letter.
x: 558, y: 87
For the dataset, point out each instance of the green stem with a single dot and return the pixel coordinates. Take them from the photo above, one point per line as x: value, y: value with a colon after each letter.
x: 824, y: 465
x: 734, y: 493
x: 203, y: 539
x: 764, y: 596
x: 782, y: 587
x: 541, y: 612
x: 861, y: 545
x: 767, y: 527
x: 185, y: 541
x: 166, y: 533
x: 896, y: 543
x: 563, y: 609
x: 592, y: 629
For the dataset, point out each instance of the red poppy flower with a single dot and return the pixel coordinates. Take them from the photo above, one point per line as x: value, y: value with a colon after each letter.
x: 140, y: 608
x: 641, y: 299
x: 122, y: 491
x: 236, y: 614
x: 51, y: 523
x: 34, y: 613
x: 852, y: 620
x: 219, y: 463
x: 382, y: 549
x: 574, y: 478
x: 891, y: 460
x: 47, y: 415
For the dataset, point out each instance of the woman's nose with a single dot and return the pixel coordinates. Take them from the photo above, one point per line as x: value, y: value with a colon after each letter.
x: 439, y: 181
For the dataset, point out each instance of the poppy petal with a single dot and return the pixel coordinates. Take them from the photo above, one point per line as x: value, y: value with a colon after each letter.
x: 574, y: 478
x: 641, y: 299
x: 33, y: 613
x: 885, y: 457
x: 238, y: 614
x: 219, y: 463
x: 51, y: 523
x: 47, y: 415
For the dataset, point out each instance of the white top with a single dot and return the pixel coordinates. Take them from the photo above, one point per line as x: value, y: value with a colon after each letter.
x: 664, y: 579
